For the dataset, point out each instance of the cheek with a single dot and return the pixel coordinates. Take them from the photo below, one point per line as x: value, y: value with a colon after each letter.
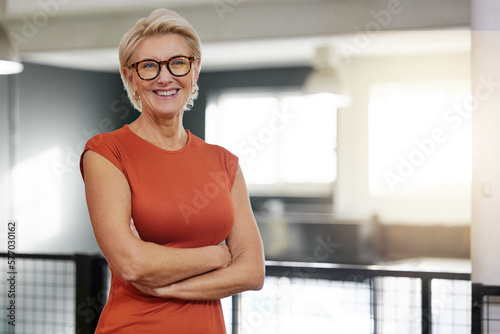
x: 141, y: 85
x: 187, y: 82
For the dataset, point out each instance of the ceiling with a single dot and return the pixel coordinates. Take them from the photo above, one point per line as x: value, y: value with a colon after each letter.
x: 239, y: 34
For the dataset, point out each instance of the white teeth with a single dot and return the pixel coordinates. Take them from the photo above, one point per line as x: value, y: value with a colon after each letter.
x: 164, y: 93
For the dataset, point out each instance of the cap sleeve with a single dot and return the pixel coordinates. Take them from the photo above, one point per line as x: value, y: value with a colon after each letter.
x: 231, y: 166
x: 105, y: 145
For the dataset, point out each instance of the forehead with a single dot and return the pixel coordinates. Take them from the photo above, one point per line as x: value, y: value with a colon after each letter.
x: 162, y: 47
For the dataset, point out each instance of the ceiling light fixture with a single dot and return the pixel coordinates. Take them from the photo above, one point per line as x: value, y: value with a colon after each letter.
x: 9, y: 58
x: 325, y: 76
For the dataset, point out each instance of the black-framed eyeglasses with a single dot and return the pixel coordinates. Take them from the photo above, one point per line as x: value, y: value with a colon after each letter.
x: 149, y: 69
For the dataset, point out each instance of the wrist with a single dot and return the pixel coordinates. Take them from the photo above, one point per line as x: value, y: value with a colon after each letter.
x: 166, y: 291
x: 222, y: 256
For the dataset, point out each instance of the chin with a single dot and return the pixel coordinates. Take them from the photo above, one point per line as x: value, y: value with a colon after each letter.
x: 169, y: 111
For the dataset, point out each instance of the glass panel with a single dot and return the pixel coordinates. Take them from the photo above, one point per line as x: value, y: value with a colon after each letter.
x: 286, y: 142
x: 293, y: 306
x: 420, y: 139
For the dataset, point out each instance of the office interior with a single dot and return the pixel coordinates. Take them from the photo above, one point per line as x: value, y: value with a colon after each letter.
x: 392, y: 185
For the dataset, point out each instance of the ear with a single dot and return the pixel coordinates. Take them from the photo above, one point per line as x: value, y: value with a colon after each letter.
x: 128, y: 74
x: 196, y: 71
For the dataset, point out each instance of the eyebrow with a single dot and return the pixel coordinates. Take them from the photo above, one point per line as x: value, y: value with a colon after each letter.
x: 154, y: 58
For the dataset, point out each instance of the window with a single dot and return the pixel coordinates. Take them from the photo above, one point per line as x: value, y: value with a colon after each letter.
x: 420, y: 139
x: 285, y: 141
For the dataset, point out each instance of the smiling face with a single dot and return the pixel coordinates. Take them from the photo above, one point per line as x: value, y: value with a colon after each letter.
x: 166, y: 95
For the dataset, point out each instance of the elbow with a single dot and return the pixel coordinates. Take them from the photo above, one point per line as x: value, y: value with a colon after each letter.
x: 260, y: 282
x: 258, y: 285
x: 129, y: 267
x: 129, y: 275
x: 128, y: 271
x: 255, y: 274
x: 257, y: 282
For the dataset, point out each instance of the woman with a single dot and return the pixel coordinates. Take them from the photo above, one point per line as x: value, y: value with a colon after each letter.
x: 162, y: 201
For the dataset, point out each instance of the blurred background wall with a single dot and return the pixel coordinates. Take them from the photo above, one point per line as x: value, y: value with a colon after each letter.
x: 70, y: 90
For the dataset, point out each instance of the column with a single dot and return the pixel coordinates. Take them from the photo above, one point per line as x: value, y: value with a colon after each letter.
x: 485, y: 228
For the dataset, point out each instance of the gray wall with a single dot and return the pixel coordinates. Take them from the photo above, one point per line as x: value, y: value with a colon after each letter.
x: 60, y: 109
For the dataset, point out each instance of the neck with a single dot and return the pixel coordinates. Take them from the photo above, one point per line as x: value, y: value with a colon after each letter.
x: 168, y: 134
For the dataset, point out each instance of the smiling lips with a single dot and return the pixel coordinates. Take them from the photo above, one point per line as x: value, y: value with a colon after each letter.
x: 166, y: 92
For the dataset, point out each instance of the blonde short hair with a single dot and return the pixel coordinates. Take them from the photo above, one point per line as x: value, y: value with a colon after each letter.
x: 160, y: 22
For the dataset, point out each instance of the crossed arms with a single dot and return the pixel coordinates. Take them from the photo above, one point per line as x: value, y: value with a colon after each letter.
x: 204, y: 273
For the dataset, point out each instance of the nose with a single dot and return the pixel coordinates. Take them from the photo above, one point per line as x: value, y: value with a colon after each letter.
x: 164, y: 74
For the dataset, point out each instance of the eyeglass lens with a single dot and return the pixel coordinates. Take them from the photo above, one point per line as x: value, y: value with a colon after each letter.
x: 178, y: 66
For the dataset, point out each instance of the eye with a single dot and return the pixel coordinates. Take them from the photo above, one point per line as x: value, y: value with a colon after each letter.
x: 178, y: 62
x: 148, y: 65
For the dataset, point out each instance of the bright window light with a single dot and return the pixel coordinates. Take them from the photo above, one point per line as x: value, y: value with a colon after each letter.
x: 285, y: 141
x: 37, y: 199
x: 296, y: 306
x: 420, y: 139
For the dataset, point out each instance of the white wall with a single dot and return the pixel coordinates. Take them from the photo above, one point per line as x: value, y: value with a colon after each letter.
x: 352, y: 188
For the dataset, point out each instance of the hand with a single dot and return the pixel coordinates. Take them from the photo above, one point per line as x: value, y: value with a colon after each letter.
x: 226, y: 256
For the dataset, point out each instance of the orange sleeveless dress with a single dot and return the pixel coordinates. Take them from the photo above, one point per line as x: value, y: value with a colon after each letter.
x: 179, y: 199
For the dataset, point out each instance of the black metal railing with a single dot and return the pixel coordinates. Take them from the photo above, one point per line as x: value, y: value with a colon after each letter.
x: 38, y: 293
x: 66, y: 293
x: 373, y: 278
x: 485, y: 309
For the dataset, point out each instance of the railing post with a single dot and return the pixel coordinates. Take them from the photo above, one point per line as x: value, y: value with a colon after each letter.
x: 426, y: 306
x: 476, y: 309
x: 374, y: 304
x: 91, y: 291
x: 236, y: 314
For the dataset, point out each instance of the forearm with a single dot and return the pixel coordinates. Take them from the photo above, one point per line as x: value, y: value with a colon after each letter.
x: 155, y: 265
x: 219, y: 283
x: 241, y: 275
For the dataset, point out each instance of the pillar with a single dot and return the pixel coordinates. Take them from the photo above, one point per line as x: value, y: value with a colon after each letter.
x: 485, y: 228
